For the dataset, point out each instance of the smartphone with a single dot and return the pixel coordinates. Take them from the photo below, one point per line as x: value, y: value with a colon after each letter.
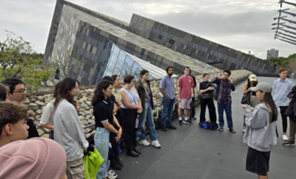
x: 244, y: 106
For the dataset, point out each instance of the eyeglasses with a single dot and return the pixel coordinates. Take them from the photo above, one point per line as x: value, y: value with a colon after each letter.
x: 21, y: 91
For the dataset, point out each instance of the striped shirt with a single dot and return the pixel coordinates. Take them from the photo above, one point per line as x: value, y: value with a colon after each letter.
x: 281, y: 90
x: 223, y: 90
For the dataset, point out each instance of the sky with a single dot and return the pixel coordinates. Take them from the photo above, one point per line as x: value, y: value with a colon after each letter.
x: 244, y: 25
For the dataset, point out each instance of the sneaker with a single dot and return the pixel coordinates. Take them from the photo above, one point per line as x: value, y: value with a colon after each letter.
x: 244, y: 130
x: 111, y: 174
x: 187, y: 122
x: 171, y: 127
x: 180, y: 122
x: 156, y: 144
x: 289, y: 144
x: 285, y: 138
x: 144, y: 142
x: 164, y: 129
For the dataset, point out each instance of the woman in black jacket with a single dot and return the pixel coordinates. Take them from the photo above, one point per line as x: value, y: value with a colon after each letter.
x: 291, y: 112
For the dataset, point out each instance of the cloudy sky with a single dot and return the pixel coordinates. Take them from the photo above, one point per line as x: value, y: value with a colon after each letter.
x: 244, y: 25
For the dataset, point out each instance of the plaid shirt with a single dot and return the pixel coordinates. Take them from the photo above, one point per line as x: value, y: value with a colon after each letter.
x: 223, y: 90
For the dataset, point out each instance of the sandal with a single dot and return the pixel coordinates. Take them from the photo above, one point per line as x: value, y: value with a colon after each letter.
x: 232, y: 131
x: 221, y: 129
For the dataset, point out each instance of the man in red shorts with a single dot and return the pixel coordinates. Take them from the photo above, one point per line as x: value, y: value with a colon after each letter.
x: 185, y: 95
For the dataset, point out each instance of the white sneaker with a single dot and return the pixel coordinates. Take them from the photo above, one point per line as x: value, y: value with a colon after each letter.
x: 156, y: 144
x: 244, y: 130
x: 285, y: 138
x: 144, y: 142
x: 111, y: 174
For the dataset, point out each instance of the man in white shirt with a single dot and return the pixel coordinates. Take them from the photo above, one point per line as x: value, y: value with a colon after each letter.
x: 281, y: 88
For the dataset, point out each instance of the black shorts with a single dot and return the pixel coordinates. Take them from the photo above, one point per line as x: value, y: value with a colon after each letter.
x: 257, y: 162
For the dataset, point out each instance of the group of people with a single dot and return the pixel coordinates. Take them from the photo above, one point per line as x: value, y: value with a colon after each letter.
x: 125, y: 112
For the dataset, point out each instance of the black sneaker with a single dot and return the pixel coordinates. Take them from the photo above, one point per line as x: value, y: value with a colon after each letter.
x: 164, y: 129
x: 171, y: 127
x: 180, y: 122
x: 187, y: 122
x: 289, y: 144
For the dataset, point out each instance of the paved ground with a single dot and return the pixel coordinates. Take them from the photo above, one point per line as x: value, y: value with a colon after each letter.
x: 192, y: 152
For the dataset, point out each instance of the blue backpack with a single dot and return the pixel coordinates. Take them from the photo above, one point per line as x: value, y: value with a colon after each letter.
x: 208, y: 125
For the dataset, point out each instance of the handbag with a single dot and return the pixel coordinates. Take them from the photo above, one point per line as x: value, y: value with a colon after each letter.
x: 246, y: 99
x: 206, y: 95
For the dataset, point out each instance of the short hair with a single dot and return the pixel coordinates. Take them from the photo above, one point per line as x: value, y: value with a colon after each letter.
x: 204, y: 75
x: 108, y: 78
x: 128, y: 78
x: 282, y: 69
x: 143, y: 72
x: 11, y: 113
x: 11, y: 83
x: 186, y: 67
x: 167, y: 69
x: 4, y: 90
x: 227, y: 71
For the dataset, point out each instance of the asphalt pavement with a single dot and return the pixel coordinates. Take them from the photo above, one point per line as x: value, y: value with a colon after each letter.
x: 193, y: 152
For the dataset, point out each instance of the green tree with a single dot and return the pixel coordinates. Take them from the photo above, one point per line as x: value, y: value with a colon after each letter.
x: 18, y: 60
x: 288, y: 62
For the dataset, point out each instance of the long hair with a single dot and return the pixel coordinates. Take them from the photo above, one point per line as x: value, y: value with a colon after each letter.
x: 3, y: 92
x: 56, y: 90
x: 249, y: 83
x: 63, y: 93
x: 269, y: 102
x: 98, y: 93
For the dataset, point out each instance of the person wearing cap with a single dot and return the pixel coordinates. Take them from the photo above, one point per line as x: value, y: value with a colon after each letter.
x: 252, y: 82
x: 281, y: 89
x: 45, y: 159
x: 261, y: 132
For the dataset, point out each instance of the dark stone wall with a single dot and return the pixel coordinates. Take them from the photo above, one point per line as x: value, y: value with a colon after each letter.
x: 199, y: 48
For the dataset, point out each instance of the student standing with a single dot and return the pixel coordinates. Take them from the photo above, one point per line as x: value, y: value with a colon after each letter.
x: 223, y: 98
x: 185, y: 95
x: 145, y: 94
x: 68, y: 130
x: 206, y: 89
x: 167, y: 90
x: 281, y: 89
x: 261, y: 132
x: 104, y: 118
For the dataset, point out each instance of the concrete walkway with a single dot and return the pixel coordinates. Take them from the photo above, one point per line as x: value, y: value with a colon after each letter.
x: 192, y: 152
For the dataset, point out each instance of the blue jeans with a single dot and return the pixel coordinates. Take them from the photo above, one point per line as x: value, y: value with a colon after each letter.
x: 167, y: 111
x: 227, y: 108
x: 147, y: 115
x: 102, y: 145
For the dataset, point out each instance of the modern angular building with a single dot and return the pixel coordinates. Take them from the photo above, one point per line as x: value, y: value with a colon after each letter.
x: 109, y: 46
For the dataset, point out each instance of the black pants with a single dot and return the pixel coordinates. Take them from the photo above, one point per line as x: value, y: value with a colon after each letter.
x: 284, y: 118
x: 192, y: 108
x: 128, y: 117
x: 51, y: 135
x: 212, y: 110
x: 113, y: 151
x: 118, y: 117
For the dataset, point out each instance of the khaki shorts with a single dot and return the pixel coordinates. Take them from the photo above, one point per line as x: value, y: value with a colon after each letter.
x: 75, y: 169
x: 185, y: 103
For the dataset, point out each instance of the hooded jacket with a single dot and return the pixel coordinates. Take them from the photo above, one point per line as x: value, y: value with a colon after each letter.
x: 260, y: 133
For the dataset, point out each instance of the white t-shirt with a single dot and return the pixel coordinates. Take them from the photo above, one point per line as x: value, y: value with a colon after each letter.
x: 47, y: 114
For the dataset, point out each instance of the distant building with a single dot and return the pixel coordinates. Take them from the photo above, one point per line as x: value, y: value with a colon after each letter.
x: 272, y: 53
